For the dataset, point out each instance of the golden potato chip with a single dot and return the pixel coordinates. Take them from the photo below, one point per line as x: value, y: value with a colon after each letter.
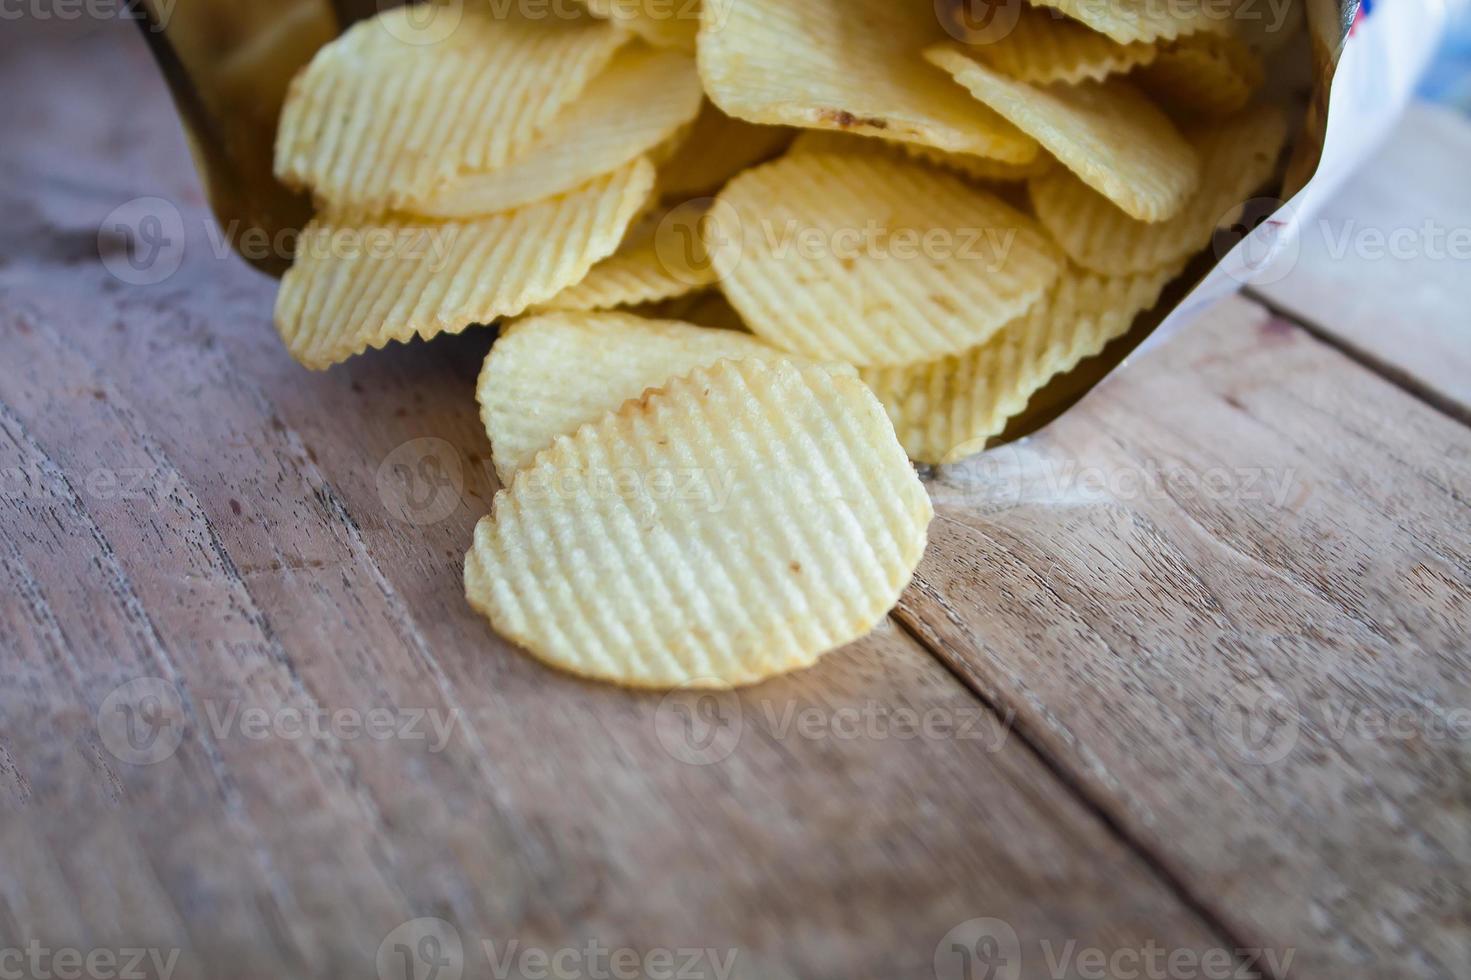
x: 873, y: 260
x: 664, y: 23
x: 355, y: 286
x: 547, y: 375
x: 1105, y: 132
x: 1043, y: 46
x: 662, y: 256
x: 391, y: 110
x: 715, y: 150
x: 1237, y: 156
x: 596, y: 134
x: 948, y: 409
x: 733, y: 525
x: 1127, y: 21
x: 853, y: 66
x: 1204, y: 74
x: 965, y: 164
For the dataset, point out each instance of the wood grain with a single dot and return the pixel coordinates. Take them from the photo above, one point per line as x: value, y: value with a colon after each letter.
x: 1385, y: 270
x: 1243, y: 527
x: 1246, y: 528
x: 184, y: 505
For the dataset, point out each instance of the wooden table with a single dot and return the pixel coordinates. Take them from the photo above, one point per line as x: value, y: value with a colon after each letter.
x: 1182, y: 684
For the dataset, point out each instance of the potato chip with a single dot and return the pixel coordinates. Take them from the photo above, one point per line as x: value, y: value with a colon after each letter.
x: 715, y: 150
x: 872, y: 260
x: 355, y: 286
x: 1043, y: 47
x: 1127, y: 21
x: 1237, y: 156
x: 948, y: 409
x: 596, y: 134
x: 525, y: 396
x: 1105, y: 132
x: 733, y: 525
x: 1205, y: 74
x: 390, y: 111
x: 965, y: 164
x: 663, y: 23
x: 850, y: 66
x: 662, y: 256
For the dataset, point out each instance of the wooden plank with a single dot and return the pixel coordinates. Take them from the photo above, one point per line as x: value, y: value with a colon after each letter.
x: 181, y: 503
x: 1229, y: 598
x: 1384, y: 269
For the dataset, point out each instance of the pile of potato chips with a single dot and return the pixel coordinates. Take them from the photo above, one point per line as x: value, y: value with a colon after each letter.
x: 749, y: 261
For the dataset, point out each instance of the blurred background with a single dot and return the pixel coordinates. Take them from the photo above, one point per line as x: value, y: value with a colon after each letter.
x: 1449, y: 79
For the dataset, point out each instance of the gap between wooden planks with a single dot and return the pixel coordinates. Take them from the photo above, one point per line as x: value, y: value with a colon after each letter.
x: 1382, y: 272
x: 1243, y: 522
x: 1131, y: 618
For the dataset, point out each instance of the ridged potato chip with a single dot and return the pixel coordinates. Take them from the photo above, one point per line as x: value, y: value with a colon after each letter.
x: 736, y: 524
x: 1043, y: 47
x: 596, y: 134
x: 525, y: 396
x: 390, y: 111
x: 663, y: 256
x: 948, y: 409
x: 965, y: 164
x: 355, y: 285
x: 1127, y: 21
x: 1107, y: 133
x: 1204, y: 74
x: 664, y: 23
x: 849, y: 65
x: 717, y: 148
x: 871, y: 260
x: 1237, y: 156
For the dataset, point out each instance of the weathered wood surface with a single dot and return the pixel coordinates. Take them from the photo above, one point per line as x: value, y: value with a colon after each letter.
x: 1229, y: 598
x: 1385, y: 270
x: 1245, y: 518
